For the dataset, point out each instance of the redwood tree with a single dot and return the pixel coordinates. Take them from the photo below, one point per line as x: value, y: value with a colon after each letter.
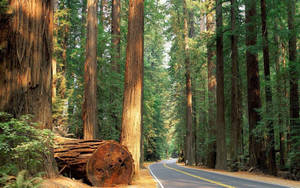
x: 211, y: 157
x: 236, y: 118
x: 89, y: 107
x: 270, y: 138
x: 26, y: 32
x: 220, y: 124
x: 294, y: 77
x: 254, y: 101
x: 190, y: 157
x: 133, y: 88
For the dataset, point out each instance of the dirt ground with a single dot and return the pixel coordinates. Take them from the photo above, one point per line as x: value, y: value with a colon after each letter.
x: 143, y: 180
x: 252, y: 176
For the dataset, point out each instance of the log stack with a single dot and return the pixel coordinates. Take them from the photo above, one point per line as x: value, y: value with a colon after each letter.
x: 100, y: 162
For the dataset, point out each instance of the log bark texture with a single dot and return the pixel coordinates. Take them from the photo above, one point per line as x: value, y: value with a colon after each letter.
x: 102, y: 163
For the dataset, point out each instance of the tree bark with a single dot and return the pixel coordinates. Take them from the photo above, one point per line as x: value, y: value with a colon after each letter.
x: 235, y: 140
x: 294, y: 78
x: 26, y: 33
x: 134, y: 68
x: 190, y: 157
x: 221, y: 129
x: 254, y: 101
x: 268, y: 90
x: 211, y: 157
x: 116, y: 37
x: 25, y: 60
x: 89, y: 107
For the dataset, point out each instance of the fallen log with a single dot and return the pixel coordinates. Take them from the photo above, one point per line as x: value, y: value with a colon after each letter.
x: 100, y: 162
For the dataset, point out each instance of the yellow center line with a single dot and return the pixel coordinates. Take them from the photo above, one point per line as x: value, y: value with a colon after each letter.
x: 198, y: 177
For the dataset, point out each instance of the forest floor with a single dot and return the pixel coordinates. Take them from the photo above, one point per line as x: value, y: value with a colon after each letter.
x: 143, y: 180
x: 251, y: 176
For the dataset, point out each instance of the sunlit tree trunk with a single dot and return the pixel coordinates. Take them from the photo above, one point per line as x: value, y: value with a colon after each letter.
x: 26, y: 33
x: 221, y: 129
x: 190, y: 157
x: 254, y: 101
x: 294, y: 77
x: 268, y: 90
x: 89, y: 107
x: 134, y: 68
x: 211, y: 157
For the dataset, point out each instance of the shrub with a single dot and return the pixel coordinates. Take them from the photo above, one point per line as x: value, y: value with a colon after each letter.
x: 22, y: 147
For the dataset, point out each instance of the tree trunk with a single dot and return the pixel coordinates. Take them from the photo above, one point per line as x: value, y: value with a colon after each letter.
x: 294, y: 77
x: 116, y: 37
x: 254, y: 101
x: 25, y: 60
x: 235, y: 140
x: 134, y: 68
x: 190, y: 157
x: 220, y: 124
x: 280, y: 95
x: 103, y: 163
x: 270, y: 138
x: 25, y: 63
x: 115, y: 61
x: 211, y: 157
x: 89, y: 107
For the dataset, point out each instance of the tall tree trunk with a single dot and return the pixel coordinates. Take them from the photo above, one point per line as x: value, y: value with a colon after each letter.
x: 211, y: 157
x: 116, y: 37
x: 190, y: 157
x: 25, y: 63
x: 235, y: 140
x: 221, y: 129
x: 280, y: 95
x: 270, y: 138
x: 254, y: 101
x: 294, y: 77
x: 134, y: 70
x: 89, y: 107
x: 115, y: 59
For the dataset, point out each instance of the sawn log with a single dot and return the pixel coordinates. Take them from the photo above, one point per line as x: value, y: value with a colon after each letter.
x: 100, y: 162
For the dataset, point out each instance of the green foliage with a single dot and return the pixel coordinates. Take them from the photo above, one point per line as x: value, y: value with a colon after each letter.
x: 22, y: 147
x: 21, y: 181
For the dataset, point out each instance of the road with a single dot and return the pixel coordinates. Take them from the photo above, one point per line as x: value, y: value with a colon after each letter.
x: 169, y: 175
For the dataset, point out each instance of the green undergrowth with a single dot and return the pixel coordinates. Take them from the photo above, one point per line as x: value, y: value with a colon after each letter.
x: 22, y: 149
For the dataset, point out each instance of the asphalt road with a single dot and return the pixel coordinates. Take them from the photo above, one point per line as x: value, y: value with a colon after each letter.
x: 169, y: 175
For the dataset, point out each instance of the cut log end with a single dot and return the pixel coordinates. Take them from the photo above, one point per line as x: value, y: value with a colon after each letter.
x: 110, y: 164
x: 102, y: 163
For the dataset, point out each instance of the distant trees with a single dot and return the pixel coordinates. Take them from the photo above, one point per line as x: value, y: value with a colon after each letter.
x: 258, y: 127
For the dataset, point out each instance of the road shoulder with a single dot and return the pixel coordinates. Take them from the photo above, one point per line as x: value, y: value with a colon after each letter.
x: 250, y: 176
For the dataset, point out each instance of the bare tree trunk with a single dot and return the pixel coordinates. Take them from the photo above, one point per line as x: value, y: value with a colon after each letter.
x: 116, y: 37
x: 221, y: 129
x: 190, y: 157
x: 211, y: 157
x: 134, y: 68
x: 235, y: 140
x: 89, y: 107
x: 268, y: 90
x: 279, y: 96
x: 294, y: 77
x: 25, y: 63
x: 254, y: 101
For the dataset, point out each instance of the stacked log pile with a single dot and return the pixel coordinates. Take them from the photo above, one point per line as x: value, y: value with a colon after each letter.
x: 100, y: 162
